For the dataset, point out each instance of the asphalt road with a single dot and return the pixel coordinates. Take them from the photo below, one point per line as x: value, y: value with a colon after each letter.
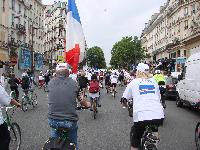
x: 110, y: 131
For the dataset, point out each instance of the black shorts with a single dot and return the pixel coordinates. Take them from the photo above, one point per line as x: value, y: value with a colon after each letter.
x: 4, y: 137
x: 114, y: 84
x: 107, y: 83
x: 138, y: 129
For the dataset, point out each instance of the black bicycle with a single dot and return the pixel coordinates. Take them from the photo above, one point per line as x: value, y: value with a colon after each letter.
x: 197, y: 136
x: 149, y: 140
x: 63, y: 142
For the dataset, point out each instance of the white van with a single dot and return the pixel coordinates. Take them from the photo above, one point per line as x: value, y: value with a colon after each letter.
x: 188, y: 87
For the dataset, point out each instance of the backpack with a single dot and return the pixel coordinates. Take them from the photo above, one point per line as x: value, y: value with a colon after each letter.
x: 25, y: 82
x: 94, y: 87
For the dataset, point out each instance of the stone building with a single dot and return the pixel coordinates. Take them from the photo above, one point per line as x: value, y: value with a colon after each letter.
x: 20, y: 18
x: 55, y: 34
x: 174, y: 32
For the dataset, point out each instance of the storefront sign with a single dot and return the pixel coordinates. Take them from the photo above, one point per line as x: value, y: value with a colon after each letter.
x: 25, y: 59
x: 39, y: 60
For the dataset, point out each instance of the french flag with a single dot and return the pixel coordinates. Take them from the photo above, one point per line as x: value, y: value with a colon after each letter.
x: 75, y: 40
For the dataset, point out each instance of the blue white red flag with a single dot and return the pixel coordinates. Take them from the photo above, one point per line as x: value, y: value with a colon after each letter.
x: 75, y: 40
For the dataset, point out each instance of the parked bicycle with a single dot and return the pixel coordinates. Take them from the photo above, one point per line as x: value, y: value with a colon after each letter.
x: 149, y: 140
x: 29, y: 98
x: 197, y: 136
x: 14, y: 129
x: 63, y: 142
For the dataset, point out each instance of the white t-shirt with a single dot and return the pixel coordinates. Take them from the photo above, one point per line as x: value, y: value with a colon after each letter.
x: 4, y: 101
x: 114, y: 78
x: 41, y: 77
x: 89, y: 75
x: 146, y: 99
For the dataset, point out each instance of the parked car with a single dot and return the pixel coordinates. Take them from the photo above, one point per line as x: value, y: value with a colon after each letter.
x: 171, y: 91
x: 189, y: 85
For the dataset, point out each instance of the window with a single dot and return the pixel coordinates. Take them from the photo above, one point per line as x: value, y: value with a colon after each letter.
x: 13, y: 4
x: 185, y: 53
x: 19, y: 8
x: 3, y: 5
x: 193, y: 9
x: 186, y: 24
x: 186, y: 11
x: 178, y: 53
x: 13, y: 17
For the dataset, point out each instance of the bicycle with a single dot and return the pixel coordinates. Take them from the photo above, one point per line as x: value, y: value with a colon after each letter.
x: 14, y: 129
x: 197, y: 136
x: 114, y: 91
x: 29, y: 99
x: 13, y: 95
x: 61, y: 143
x: 94, y: 107
x: 149, y: 140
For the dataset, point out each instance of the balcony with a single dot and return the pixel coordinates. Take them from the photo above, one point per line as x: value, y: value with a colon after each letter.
x: 3, y: 44
x: 20, y: 28
x: 12, y: 43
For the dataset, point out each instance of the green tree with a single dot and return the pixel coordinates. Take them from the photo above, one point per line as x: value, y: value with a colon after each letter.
x: 95, y: 57
x: 126, y: 52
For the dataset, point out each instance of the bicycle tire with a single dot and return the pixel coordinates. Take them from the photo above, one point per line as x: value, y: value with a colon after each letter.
x: 94, y: 108
x: 46, y: 88
x: 34, y: 99
x: 197, y: 136
x: 24, y: 105
x: 15, y: 134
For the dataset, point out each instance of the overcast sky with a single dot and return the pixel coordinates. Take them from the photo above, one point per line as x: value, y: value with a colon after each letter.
x: 107, y: 21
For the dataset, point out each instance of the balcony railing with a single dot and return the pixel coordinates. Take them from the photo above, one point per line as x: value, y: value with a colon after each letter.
x: 13, y: 43
x: 21, y: 28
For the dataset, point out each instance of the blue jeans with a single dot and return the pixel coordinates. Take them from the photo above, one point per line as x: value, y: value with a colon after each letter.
x: 71, y: 125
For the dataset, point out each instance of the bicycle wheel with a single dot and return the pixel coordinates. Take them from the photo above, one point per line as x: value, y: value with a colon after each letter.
x: 197, y: 136
x: 24, y: 104
x: 94, y: 108
x: 34, y: 99
x: 15, y: 135
x: 45, y: 88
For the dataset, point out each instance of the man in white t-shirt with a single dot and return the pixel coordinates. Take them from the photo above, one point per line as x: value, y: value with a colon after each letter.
x: 89, y: 75
x: 147, y: 108
x: 114, y: 80
x: 5, y: 100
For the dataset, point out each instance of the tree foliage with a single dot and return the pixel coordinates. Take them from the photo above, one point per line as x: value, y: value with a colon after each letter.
x: 95, y: 57
x: 126, y: 52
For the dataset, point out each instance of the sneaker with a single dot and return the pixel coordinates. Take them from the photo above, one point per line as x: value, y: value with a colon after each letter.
x: 91, y: 109
x: 99, y: 105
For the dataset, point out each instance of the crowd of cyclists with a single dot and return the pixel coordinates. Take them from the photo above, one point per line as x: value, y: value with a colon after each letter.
x: 141, y: 86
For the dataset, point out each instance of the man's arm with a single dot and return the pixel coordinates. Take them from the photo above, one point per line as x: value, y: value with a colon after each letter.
x: 6, y: 100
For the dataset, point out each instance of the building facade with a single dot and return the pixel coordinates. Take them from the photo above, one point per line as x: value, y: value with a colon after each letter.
x: 4, y: 28
x: 22, y: 29
x: 55, y: 34
x: 174, y: 32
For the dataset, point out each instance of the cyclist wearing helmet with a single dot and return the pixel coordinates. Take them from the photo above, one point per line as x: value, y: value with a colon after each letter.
x: 147, y: 109
x: 160, y: 79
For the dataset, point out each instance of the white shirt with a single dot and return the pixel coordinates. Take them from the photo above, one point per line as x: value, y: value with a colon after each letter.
x: 4, y: 101
x: 146, y: 99
x: 114, y: 78
x: 89, y: 75
x: 41, y: 77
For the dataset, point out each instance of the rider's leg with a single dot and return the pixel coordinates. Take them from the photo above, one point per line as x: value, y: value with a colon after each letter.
x: 17, y: 93
x: 136, y: 133
x: 4, y: 137
x: 71, y: 125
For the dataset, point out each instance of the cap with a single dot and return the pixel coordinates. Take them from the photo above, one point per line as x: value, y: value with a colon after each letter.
x: 157, y: 71
x: 142, y: 67
x: 62, y: 66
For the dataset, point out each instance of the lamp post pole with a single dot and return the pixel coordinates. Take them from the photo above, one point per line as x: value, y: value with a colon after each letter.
x: 32, y: 51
